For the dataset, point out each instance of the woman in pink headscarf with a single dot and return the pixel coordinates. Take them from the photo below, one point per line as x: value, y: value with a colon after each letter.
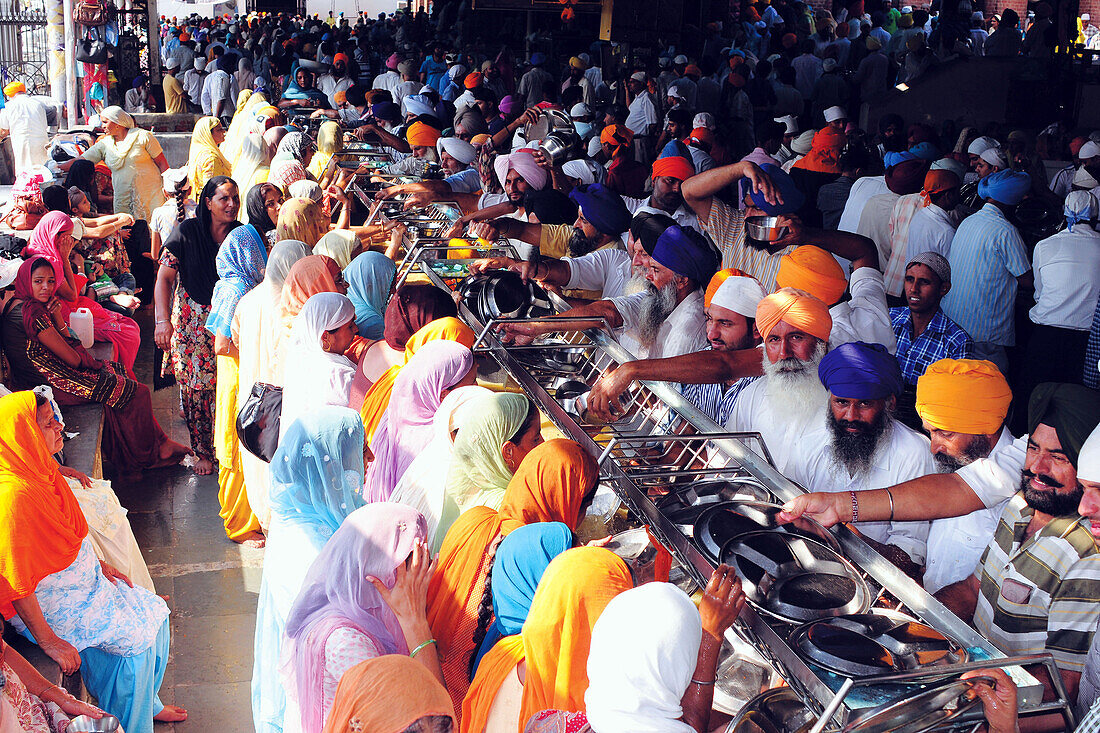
x: 406, y: 427
x: 52, y: 240
x: 342, y: 617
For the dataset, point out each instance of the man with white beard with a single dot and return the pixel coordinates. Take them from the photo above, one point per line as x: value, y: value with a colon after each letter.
x: 861, y: 445
x: 664, y: 319
x: 787, y: 405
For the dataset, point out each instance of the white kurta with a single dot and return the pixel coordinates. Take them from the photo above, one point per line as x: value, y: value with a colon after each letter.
x: 866, y: 316
x: 25, y: 118
x: 956, y: 544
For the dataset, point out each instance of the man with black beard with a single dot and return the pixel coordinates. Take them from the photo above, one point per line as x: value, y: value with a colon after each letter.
x: 862, y: 445
x: 338, y: 79
x: 590, y: 249
x: 668, y: 174
x: 665, y: 319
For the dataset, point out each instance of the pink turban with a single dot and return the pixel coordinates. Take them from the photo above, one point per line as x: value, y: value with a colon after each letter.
x: 524, y: 164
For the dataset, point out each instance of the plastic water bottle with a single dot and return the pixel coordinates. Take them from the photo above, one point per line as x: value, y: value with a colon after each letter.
x: 80, y: 322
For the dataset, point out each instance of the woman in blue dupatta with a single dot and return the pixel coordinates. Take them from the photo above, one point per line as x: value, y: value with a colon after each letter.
x: 520, y: 561
x: 369, y: 278
x: 300, y: 91
x: 316, y: 476
x: 241, y: 262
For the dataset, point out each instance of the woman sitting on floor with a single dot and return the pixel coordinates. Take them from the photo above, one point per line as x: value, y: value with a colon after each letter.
x: 132, y: 439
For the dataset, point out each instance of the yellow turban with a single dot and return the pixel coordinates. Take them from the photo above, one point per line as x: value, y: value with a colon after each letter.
x: 717, y: 280
x: 798, y: 309
x: 814, y: 270
x: 422, y: 135
x: 963, y: 396
x: 14, y: 88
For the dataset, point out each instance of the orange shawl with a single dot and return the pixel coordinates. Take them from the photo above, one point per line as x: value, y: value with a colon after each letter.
x: 378, y: 396
x: 550, y: 486
x: 44, y: 526
x: 386, y: 695
x: 572, y: 594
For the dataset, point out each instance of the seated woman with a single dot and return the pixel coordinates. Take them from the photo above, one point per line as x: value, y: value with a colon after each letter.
x: 132, y: 439
x: 34, y: 704
x: 301, y: 92
x: 316, y: 477
x: 83, y: 613
x: 423, y: 485
x: 406, y: 426
x: 319, y: 374
x: 103, y: 242
x: 544, y: 667
x: 83, y: 175
x: 390, y: 693
x: 343, y: 616
x: 412, y: 307
x: 53, y: 240
x: 553, y: 484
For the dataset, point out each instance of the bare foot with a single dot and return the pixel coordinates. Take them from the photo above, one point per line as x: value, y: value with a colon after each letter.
x: 171, y: 449
x: 203, y: 467
x: 171, y: 714
x: 255, y: 539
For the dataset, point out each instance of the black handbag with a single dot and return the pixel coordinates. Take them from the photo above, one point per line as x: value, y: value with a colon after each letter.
x: 92, y: 50
x: 258, y: 420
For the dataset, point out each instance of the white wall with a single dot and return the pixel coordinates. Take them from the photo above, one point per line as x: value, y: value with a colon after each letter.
x: 350, y: 8
x: 181, y: 9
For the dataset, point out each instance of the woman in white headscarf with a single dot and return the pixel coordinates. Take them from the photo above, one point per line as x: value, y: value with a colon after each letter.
x: 318, y: 373
x: 424, y: 483
x: 136, y: 161
x: 583, y: 171
x: 251, y: 167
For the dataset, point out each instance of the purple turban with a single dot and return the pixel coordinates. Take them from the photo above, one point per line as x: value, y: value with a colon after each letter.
x: 684, y: 251
x: 861, y: 371
x: 602, y: 207
x: 792, y: 197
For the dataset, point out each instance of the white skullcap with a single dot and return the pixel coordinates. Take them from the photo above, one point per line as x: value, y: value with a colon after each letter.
x: 981, y: 144
x: 638, y: 76
x: 1080, y: 206
x: 740, y: 295
x: 675, y: 93
x: 460, y: 150
x: 803, y: 143
x: 1085, y: 16
x: 586, y: 171
x: 704, y: 119
x: 835, y: 113
x: 1088, y: 460
x: 200, y: 64
x: 790, y: 122
x: 580, y: 109
x: 994, y: 156
x: 1089, y: 150
x: 681, y: 59
x: 594, y: 146
x: 1083, y: 179
x: 949, y: 164
x: 172, y: 63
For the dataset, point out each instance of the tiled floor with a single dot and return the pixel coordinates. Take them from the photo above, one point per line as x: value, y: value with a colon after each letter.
x: 211, y: 582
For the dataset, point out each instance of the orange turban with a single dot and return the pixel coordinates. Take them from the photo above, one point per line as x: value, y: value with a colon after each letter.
x: 938, y: 181
x: 814, y: 270
x: 422, y: 135
x: 798, y: 309
x: 963, y: 396
x: 673, y: 166
x: 616, y: 135
x: 717, y: 280
x: 824, y: 152
x: 341, y: 97
x: 14, y: 88
x: 473, y: 80
x: 702, y: 135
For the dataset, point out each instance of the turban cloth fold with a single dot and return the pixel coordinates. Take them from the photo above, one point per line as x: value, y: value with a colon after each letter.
x: 460, y: 150
x: 1080, y: 206
x: 940, y: 180
x: 799, y: 309
x: 523, y: 163
x: 861, y: 371
x: 616, y: 135
x: 603, y: 208
x: 963, y: 396
x: 717, y: 280
x: 907, y: 177
x: 824, y: 152
x: 1071, y: 409
x: 814, y: 270
x: 422, y: 135
x: 14, y: 88
x: 740, y: 294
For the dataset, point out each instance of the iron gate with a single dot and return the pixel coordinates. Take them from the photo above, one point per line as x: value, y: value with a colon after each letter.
x: 24, y: 52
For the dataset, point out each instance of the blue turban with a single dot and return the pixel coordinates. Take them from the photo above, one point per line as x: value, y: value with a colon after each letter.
x: 684, y: 251
x: 891, y: 158
x: 861, y: 371
x: 1006, y: 187
x: 792, y: 197
x: 538, y: 58
x: 388, y: 111
x: 602, y: 207
x: 675, y: 147
x: 925, y: 151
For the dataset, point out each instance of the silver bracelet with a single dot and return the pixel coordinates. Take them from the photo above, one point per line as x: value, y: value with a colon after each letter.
x: 890, y: 495
x: 855, y: 507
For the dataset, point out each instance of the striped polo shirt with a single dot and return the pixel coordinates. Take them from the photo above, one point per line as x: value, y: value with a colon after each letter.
x: 1043, y: 593
x: 726, y: 227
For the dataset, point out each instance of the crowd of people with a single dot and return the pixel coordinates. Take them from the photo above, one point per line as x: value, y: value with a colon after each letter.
x: 909, y: 348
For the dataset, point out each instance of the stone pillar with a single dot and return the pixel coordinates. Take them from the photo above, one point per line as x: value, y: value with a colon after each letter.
x: 55, y: 42
x: 70, y: 66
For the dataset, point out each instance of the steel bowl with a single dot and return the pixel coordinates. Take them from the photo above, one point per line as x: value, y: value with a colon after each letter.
x: 86, y: 724
x: 764, y: 228
x: 779, y: 709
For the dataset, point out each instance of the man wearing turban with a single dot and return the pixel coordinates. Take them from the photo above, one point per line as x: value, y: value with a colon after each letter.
x: 988, y: 262
x: 421, y: 138
x: 666, y: 318
x: 625, y: 175
x: 669, y: 173
x: 933, y: 227
x: 860, y: 445
x: 787, y: 405
x: 23, y: 118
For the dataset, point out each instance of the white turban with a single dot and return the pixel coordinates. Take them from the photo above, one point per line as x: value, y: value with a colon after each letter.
x: 1083, y: 179
x: 417, y: 104
x: 981, y: 144
x: 740, y: 295
x: 1089, y: 150
x: 994, y: 156
x: 949, y: 164
x: 460, y: 150
x: 835, y: 113
x: 1088, y: 460
x: 790, y: 122
x: 587, y: 171
x: 803, y: 143
x: 1080, y: 206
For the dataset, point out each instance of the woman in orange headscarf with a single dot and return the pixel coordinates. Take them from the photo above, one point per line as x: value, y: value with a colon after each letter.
x: 308, y: 276
x: 553, y: 646
x: 378, y: 397
x: 387, y: 694
x: 552, y: 484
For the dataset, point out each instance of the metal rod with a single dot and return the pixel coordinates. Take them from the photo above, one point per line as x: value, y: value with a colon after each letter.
x: 832, y: 707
